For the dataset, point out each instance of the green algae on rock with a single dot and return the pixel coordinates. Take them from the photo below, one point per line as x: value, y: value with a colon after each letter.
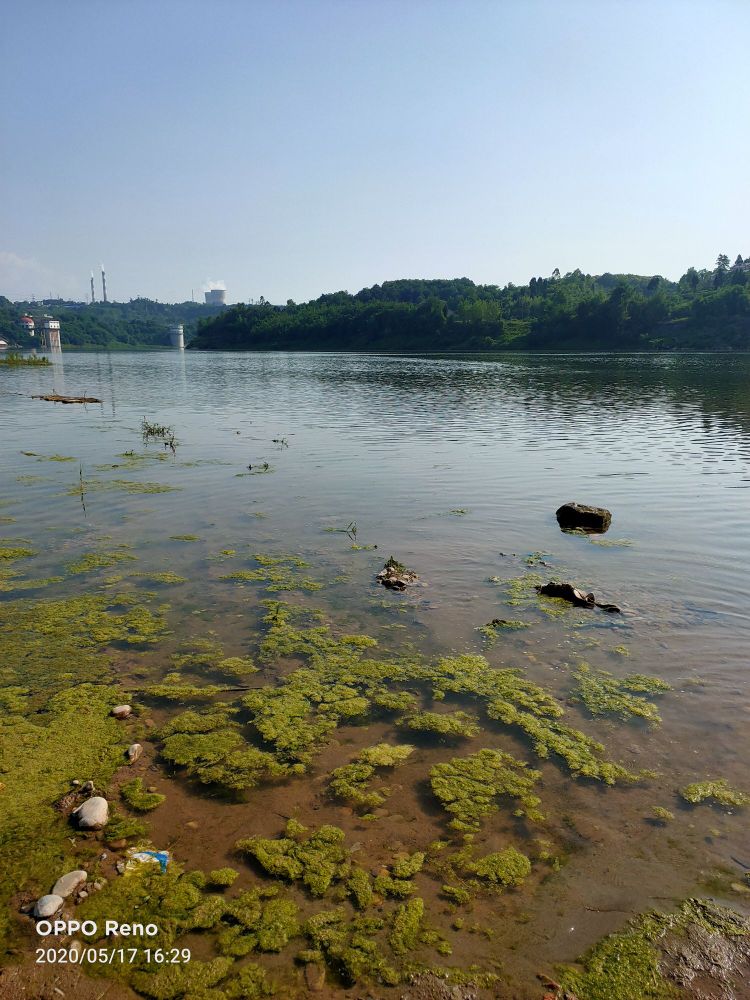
x: 716, y: 790
x: 657, y: 953
x: 604, y: 694
x: 40, y: 753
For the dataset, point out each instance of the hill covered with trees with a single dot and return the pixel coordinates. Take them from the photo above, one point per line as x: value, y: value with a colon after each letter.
x: 704, y: 310
x: 137, y: 323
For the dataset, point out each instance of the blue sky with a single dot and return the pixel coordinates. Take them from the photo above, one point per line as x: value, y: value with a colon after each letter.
x: 292, y: 148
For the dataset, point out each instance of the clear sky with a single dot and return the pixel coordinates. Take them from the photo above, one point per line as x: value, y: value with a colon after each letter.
x: 292, y: 148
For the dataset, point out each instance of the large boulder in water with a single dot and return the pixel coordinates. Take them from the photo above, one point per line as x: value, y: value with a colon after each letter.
x: 583, y: 517
x: 92, y: 814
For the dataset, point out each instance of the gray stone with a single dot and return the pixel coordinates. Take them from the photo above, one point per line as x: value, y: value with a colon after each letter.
x: 66, y: 885
x: 134, y: 751
x: 47, y: 906
x: 92, y: 814
x: 583, y: 517
x: 122, y: 711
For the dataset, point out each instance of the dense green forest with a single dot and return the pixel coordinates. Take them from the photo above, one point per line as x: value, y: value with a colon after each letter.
x: 138, y: 323
x: 704, y: 310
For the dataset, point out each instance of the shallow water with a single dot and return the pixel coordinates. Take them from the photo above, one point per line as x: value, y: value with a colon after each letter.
x: 455, y: 466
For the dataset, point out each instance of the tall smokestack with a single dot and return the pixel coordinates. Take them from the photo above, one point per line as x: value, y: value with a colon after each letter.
x: 104, y: 285
x: 93, y: 298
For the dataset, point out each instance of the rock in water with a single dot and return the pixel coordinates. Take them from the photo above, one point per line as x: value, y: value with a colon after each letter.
x: 66, y: 885
x: 122, y: 711
x: 395, y: 576
x: 47, y: 906
x: 92, y: 814
x: 582, y: 516
x: 134, y: 751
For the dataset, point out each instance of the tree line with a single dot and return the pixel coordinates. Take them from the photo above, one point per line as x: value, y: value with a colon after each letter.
x: 704, y: 310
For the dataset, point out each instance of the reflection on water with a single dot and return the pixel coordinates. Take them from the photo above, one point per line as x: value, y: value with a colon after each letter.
x: 456, y: 466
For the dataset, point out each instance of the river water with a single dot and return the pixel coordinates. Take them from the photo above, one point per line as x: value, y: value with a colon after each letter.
x: 455, y: 465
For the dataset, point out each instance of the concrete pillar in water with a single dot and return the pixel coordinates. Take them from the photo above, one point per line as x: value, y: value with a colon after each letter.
x: 176, y: 337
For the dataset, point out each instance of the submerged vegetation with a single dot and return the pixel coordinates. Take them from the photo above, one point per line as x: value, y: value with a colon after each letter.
x: 719, y: 790
x: 604, y: 694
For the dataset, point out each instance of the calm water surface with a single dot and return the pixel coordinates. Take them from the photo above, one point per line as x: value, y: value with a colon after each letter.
x: 455, y: 466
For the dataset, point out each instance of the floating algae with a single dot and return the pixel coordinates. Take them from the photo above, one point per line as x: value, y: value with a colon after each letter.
x: 136, y: 797
x: 11, y: 553
x: 222, y: 878
x: 185, y: 538
x: 351, y: 781
x: 719, y: 790
x: 316, y: 859
x: 604, y: 694
x: 91, y: 561
x: 277, y: 573
x: 469, y: 787
x: 453, y: 725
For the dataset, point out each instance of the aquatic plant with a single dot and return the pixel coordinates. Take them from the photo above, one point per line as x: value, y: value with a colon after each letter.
x: 350, y: 947
x: 222, y: 757
x: 662, y: 814
x: 317, y: 859
x: 604, y: 694
x: 98, y: 560
x: 277, y: 573
x: 350, y: 781
x: 43, y: 746
x: 469, y: 787
x: 718, y: 790
x: 456, y: 724
x: 222, y: 877
x: 504, y: 868
x: 136, y: 797
x: 184, y: 538
x: 15, y: 360
x: 627, y: 965
x: 405, y: 930
x: 10, y: 553
x: 164, y: 576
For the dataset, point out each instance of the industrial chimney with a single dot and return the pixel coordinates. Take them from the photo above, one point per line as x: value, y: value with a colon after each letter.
x: 93, y: 297
x: 104, y: 285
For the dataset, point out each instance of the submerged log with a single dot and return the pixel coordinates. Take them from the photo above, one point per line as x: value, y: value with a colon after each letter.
x: 56, y: 398
x: 567, y: 592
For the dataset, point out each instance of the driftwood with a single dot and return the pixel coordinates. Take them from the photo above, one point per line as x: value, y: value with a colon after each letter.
x: 55, y: 398
x: 567, y: 592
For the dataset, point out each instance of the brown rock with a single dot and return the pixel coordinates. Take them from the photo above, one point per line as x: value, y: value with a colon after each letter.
x: 583, y: 517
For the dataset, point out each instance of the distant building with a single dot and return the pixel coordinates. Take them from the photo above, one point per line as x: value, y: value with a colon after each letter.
x: 177, y: 337
x: 4, y: 345
x: 50, y: 337
x: 216, y: 297
x: 27, y: 322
